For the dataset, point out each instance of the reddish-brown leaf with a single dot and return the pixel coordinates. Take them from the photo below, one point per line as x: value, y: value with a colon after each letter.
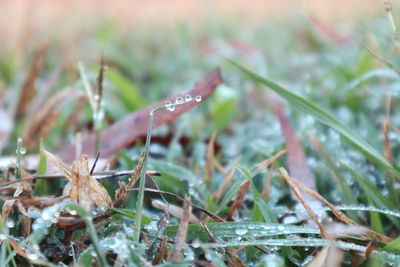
x: 125, y: 131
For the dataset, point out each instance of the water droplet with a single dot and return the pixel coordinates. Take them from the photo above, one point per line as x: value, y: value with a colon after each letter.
x: 93, y: 253
x: 197, y: 98
x: 241, y: 231
x: 3, y: 237
x: 32, y: 255
x: 96, y: 97
x: 10, y: 223
x: 171, y: 107
x: 22, y: 151
x: 196, y: 244
x: 188, y: 98
x: 45, y: 216
x: 71, y: 252
x: 72, y: 212
x: 281, y: 227
x: 179, y: 100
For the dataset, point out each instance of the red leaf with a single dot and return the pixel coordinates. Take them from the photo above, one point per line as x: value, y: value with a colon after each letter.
x: 125, y: 131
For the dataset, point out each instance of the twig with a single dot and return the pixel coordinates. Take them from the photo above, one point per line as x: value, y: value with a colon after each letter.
x: 383, y: 60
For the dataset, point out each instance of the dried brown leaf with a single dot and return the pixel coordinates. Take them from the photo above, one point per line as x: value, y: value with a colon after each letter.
x: 90, y: 187
x: 83, y: 186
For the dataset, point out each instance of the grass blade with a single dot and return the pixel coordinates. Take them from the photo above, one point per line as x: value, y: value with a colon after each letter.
x: 324, y: 117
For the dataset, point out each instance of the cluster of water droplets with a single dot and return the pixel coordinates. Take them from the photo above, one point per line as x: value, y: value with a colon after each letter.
x: 20, y: 150
x: 122, y: 243
x: 181, y: 100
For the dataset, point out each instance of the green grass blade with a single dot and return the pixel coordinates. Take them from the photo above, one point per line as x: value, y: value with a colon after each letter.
x: 242, y: 229
x: 266, y: 211
x: 324, y: 117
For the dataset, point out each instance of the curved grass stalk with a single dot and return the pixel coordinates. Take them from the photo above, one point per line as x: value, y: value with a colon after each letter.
x: 139, y: 203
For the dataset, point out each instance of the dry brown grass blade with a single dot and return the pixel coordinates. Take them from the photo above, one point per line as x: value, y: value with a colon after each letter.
x: 27, y: 91
x: 266, y: 163
x: 138, y: 170
x: 267, y: 185
x: 339, y: 214
x: 64, y: 169
x: 174, y: 210
x: 226, y: 182
x: 74, y: 191
x: 117, y: 137
x: 209, y: 167
x: 44, y: 120
x: 162, y: 251
x: 238, y: 201
x: 181, y: 235
x: 122, y: 193
x: 301, y: 199
x: 370, y: 248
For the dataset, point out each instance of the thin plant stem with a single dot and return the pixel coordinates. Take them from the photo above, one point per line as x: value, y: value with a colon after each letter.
x: 139, y: 203
x: 20, y: 151
x: 92, y: 232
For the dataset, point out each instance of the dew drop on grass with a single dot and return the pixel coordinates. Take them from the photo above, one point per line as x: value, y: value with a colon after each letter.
x: 93, y: 253
x: 171, y: 107
x: 45, y: 216
x: 73, y: 212
x: 281, y: 228
x: 188, y: 98
x: 196, y: 244
x: 197, y: 98
x: 10, y: 223
x: 179, y: 100
x: 241, y: 231
x: 3, y: 237
x: 32, y: 255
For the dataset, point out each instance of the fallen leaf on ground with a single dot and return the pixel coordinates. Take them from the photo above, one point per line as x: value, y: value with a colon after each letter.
x: 83, y: 186
x: 127, y: 130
